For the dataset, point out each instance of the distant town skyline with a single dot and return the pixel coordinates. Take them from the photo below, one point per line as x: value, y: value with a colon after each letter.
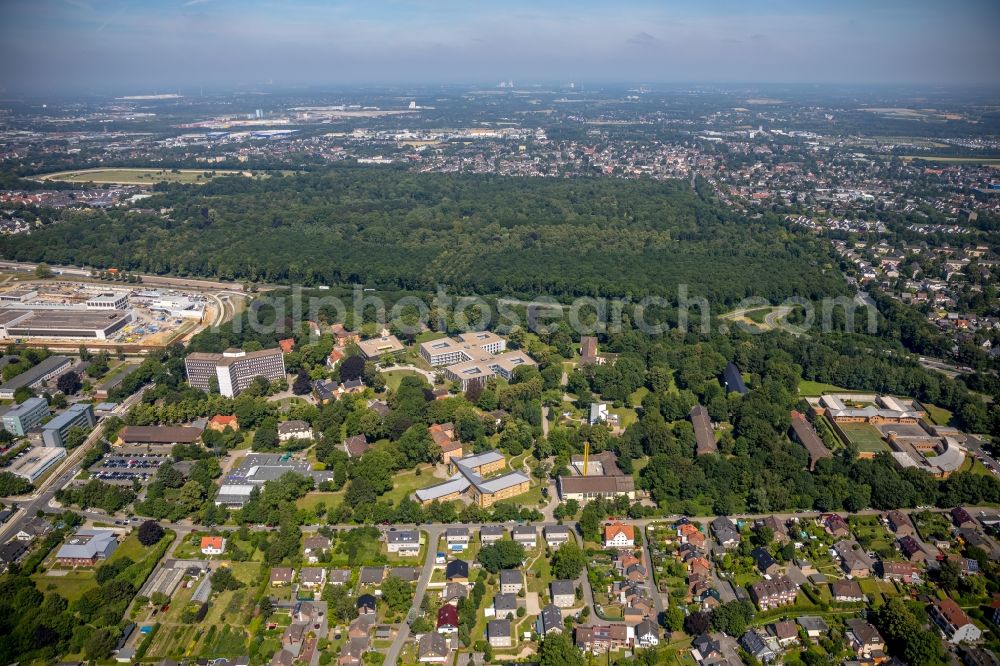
x: 99, y: 46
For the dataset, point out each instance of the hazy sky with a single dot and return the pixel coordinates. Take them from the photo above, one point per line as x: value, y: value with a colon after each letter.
x: 158, y: 45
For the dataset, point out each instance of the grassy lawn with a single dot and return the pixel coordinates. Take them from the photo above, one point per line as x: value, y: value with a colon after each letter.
x: 974, y: 466
x: 131, y: 548
x: 404, y: 483
x: 865, y: 437
x: 427, y: 336
x: 635, y: 400
x: 310, y: 500
x: 626, y: 416
x: 938, y: 415
x: 393, y: 378
x: 139, y: 176
x: 71, y: 586
x: 812, y: 389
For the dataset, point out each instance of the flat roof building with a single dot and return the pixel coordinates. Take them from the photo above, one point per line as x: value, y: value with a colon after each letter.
x: 33, y: 377
x: 375, y: 348
x: 18, y: 420
x: 96, y: 324
x: 79, y: 415
x: 470, y: 475
x: 234, y: 370
x: 34, y: 462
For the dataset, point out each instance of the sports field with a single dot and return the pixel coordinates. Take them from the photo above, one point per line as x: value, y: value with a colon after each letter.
x: 139, y: 176
x: 865, y: 437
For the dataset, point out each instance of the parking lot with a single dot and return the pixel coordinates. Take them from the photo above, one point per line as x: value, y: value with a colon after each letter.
x: 117, y: 468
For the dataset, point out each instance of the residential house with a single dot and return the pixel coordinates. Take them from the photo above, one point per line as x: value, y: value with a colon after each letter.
x: 35, y: 528
x: 371, y: 575
x: 900, y: 523
x: 490, y: 534
x: 555, y: 535
x: 365, y: 604
x: 213, y: 545
x: 774, y: 592
x: 706, y: 649
x: 281, y: 576
x: 443, y: 434
x: 295, y: 429
x: 756, y: 646
x: 549, y: 620
x: 953, y: 621
x: 498, y: 633
x: 765, y: 563
x: 814, y: 626
x: 353, y: 652
x: 457, y: 538
x: 846, y: 591
x: 899, y: 571
x: 452, y: 592
x: 312, y: 578
x: 563, y: 593
x: 726, y: 534
x: 314, y: 547
x: 504, y: 605
x: 864, y: 640
x: 432, y: 648
x: 601, y: 638
x: 511, y: 580
x: 778, y: 528
x: 962, y: 518
x: 447, y: 619
x: 647, y: 634
x: 619, y: 535
x: 12, y: 552
x: 525, y: 535
x: 835, y: 525
x: 457, y: 571
x: 785, y: 632
x: 404, y: 542
x: 339, y: 577
x: 854, y: 561
x: 912, y: 550
x: 356, y: 446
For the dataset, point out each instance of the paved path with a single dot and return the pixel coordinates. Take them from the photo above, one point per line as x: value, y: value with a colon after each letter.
x: 433, y: 536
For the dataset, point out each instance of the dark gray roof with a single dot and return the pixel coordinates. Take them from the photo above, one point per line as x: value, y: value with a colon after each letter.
x: 733, y: 380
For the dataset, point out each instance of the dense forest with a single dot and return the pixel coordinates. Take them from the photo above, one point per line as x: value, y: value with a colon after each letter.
x: 487, y: 234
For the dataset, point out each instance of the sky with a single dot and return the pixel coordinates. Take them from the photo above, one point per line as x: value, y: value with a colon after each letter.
x: 143, y: 46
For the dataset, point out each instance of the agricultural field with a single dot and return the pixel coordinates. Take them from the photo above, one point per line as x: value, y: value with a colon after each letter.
x: 865, y: 437
x: 139, y: 176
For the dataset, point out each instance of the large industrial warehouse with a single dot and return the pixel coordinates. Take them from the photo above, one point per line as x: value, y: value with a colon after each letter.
x: 97, y: 324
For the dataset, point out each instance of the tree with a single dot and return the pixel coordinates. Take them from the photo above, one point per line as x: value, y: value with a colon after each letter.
x: 301, y: 385
x: 100, y: 644
x: 43, y: 271
x: 501, y: 555
x: 12, y: 484
x: 69, y: 383
x: 397, y: 593
x: 733, y: 618
x: 568, y: 561
x: 672, y: 618
x: 223, y: 579
x: 150, y: 533
x: 352, y: 367
x: 697, y: 623
x: 557, y: 650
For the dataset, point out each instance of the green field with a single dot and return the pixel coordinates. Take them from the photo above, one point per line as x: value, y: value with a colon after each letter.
x: 139, y: 176
x: 865, y: 437
x: 71, y: 586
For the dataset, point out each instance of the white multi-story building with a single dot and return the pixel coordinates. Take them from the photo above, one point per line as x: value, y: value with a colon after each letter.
x: 234, y: 369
